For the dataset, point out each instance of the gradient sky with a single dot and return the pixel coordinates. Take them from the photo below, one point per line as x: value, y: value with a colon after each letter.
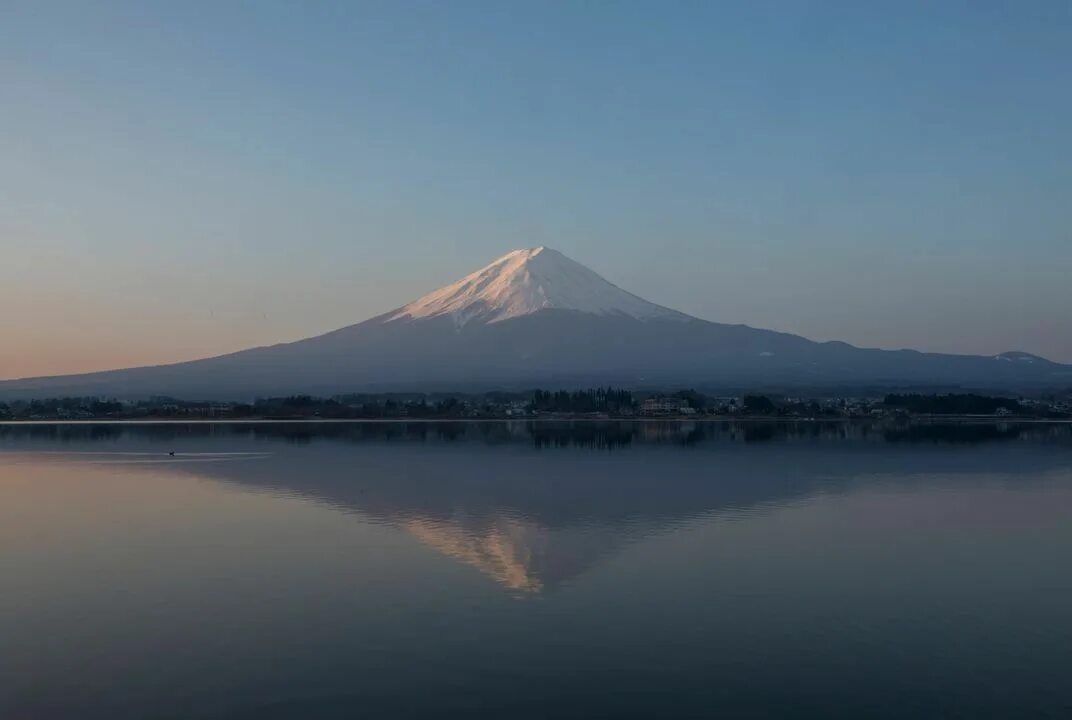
x: 182, y: 179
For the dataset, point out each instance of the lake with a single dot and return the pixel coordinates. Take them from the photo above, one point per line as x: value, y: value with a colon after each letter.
x: 535, y: 570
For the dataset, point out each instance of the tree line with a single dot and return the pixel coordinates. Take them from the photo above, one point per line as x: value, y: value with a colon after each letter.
x: 608, y: 400
x: 952, y: 404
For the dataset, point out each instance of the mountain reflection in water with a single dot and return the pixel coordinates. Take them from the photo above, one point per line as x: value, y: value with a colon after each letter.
x: 541, y: 503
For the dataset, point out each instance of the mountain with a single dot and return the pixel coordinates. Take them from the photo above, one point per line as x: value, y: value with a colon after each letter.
x: 537, y: 318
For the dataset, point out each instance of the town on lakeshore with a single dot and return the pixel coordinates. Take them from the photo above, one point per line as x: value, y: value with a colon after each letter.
x: 598, y: 403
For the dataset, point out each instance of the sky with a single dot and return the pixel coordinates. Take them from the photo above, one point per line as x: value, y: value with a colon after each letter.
x: 185, y: 179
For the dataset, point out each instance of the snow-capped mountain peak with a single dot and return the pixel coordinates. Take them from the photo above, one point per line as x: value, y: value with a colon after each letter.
x: 523, y: 282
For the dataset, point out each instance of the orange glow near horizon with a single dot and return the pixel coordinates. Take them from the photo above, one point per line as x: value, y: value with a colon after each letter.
x: 65, y: 337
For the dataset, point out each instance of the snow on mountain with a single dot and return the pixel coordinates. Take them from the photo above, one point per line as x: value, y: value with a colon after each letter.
x: 526, y: 281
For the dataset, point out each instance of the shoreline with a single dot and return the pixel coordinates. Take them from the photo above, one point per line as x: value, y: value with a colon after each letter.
x: 919, y: 419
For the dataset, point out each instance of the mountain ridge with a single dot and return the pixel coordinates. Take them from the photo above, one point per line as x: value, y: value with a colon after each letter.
x: 535, y: 317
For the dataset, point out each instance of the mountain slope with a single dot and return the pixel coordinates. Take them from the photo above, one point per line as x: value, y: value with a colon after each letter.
x: 535, y: 317
x: 527, y: 281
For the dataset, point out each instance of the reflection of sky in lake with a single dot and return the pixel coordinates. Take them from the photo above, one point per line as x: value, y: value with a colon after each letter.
x: 310, y: 570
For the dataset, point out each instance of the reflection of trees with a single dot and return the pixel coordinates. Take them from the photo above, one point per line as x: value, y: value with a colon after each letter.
x: 954, y: 433
x: 595, y: 435
x: 589, y: 435
x: 759, y: 433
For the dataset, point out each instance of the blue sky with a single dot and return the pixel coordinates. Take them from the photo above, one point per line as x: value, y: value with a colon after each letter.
x: 181, y: 179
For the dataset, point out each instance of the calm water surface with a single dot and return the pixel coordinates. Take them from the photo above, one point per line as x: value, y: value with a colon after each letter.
x: 518, y: 570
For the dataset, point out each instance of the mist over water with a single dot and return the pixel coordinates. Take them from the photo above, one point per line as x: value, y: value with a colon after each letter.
x: 535, y: 570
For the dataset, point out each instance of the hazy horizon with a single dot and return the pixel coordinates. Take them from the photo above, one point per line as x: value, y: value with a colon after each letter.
x: 184, y: 181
